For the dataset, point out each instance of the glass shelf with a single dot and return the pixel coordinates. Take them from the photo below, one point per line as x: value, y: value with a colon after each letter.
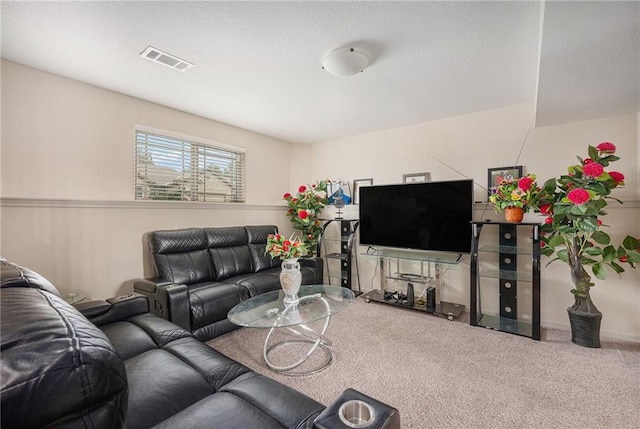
x: 507, y: 275
x: 505, y: 249
x: 341, y: 256
x: 416, y: 255
x: 504, y: 324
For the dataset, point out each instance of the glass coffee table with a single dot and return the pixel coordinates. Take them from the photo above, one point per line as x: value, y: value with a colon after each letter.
x: 317, y: 302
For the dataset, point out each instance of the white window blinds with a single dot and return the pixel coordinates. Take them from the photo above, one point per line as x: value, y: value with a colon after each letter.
x: 170, y: 168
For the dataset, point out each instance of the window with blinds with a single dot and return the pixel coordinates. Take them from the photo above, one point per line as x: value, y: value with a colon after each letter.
x: 172, y: 168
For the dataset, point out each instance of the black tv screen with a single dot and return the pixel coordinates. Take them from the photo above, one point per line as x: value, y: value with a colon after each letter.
x: 433, y: 216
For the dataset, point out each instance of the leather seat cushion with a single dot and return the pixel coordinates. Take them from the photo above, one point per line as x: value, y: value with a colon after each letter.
x: 142, y: 333
x: 249, y: 401
x: 168, y: 370
x: 269, y: 279
x: 210, y: 302
x: 259, y: 283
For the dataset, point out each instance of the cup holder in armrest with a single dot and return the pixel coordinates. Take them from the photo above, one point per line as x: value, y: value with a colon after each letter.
x: 353, y: 409
x: 356, y: 414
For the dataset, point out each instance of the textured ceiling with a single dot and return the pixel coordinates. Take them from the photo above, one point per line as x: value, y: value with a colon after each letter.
x: 257, y: 64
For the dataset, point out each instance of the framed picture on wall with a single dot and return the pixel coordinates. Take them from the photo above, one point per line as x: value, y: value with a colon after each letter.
x: 495, y: 176
x: 416, y: 177
x: 357, y: 183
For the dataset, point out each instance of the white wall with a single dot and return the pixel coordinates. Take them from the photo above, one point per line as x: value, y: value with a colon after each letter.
x: 473, y: 143
x: 67, y: 180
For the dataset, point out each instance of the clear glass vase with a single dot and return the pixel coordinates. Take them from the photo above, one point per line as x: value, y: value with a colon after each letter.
x: 290, y: 280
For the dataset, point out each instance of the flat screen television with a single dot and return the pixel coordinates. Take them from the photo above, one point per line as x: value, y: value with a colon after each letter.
x: 430, y: 216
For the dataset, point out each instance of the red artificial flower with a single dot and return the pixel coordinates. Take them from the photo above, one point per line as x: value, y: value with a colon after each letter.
x: 587, y: 161
x: 542, y: 244
x: 599, y: 222
x: 623, y: 258
x: 569, y: 185
x: 548, y: 220
x: 303, y: 214
x: 617, y: 177
x: 606, y: 147
x: 286, y: 245
x: 286, y: 195
x: 578, y: 196
x: 545, y: 208
x: 302, y: 188
x: 314, y: 185
x: 593, y: 170
x: 525, y: 183
x: 277, y: 237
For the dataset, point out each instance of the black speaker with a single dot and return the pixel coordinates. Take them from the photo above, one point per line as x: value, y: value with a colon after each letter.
x: 431, y: 299
x: 410, y: 294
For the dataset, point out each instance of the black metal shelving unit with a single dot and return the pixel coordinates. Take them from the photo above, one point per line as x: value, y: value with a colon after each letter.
x: 346, y: 257
x: 510, y: 277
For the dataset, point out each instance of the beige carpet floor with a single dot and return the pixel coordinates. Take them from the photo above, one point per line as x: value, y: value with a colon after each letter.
x: 442, y: 374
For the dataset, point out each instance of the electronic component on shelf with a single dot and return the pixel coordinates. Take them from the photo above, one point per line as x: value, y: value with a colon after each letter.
x: 410, y: 294
x: 431, y: 299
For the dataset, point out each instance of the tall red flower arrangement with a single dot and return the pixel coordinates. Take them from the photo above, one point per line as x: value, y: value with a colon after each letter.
x: 305, y: 208
x: 573, y: 231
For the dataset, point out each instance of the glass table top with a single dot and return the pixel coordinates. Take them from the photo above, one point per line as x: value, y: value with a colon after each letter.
x: 268, y: 311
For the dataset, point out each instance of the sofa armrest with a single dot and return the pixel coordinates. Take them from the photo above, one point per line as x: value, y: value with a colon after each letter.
x: 167, y: 300
x: 174, y: 301
x: 360, y: 407
x: 114, y: 309
x: 317, y: 264
x: 149, y: 285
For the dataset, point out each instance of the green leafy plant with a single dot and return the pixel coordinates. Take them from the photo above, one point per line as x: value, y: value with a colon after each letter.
x: 521, y: 192
x: 574, y: 204
x: 304, y: 210
x: 285, y: 248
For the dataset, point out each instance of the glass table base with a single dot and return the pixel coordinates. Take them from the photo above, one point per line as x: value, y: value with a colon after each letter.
x: 309, y: 336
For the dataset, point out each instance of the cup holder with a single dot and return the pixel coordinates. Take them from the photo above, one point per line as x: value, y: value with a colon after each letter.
x: 356, y: 414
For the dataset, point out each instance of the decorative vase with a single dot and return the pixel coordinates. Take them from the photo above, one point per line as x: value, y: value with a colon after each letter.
x: 585, y: 327
x: 584, y: 317
x: 290, y: 280
x: 514, y: 214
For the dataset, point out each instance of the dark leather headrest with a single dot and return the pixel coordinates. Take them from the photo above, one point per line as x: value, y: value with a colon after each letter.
x: 13, y: 275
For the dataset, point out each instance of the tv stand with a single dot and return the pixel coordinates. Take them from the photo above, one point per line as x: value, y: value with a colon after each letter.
x: 426, y: 288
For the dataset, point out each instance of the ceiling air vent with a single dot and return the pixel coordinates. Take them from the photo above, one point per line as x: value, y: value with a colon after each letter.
x: 157, y: 56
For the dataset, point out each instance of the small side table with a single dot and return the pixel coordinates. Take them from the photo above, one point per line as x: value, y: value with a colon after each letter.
x: 73, y: 296
x: 317, y: 302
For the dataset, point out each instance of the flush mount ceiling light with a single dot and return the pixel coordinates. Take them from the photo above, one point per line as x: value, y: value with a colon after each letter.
x: 166, y: 59
x: 345, y: 62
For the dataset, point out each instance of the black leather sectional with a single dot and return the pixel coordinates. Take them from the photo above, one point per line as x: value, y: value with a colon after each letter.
x: 112, y: 364
x: 202, y: 273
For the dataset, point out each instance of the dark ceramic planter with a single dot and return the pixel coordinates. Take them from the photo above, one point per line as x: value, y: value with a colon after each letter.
x: 585, y: 328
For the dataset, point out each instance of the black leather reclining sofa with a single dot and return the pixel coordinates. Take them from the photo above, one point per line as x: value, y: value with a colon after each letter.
x: 112, y: 364
x: 202, y: 273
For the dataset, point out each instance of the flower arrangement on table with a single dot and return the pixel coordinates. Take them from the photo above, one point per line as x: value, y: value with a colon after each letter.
x: 574, y: 206
x: 304, y: 210
x: 521, y: 193
x: 285, y: 248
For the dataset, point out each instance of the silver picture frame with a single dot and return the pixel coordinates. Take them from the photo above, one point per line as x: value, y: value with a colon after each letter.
x: 416, y: 177
x: 357, y: 184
